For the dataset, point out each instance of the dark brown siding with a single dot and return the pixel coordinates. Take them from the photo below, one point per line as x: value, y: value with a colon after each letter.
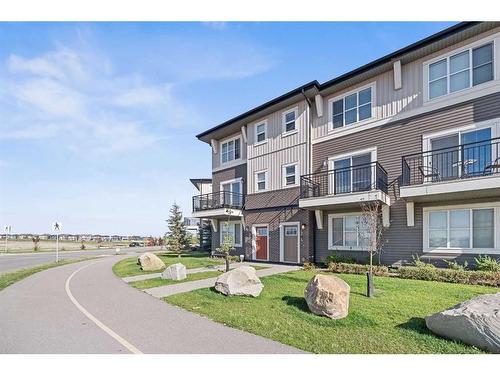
x: 273, y: 208
x: 392, y: 142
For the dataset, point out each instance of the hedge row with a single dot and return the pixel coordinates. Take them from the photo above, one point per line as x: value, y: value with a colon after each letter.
x: 357, y: 268
x: 423, y: 273
x: 450, y: 276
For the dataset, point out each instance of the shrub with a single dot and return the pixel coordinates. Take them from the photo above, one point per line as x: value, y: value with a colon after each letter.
x: 450, y: 275
x: 337, y: 258
x: 234, y: 258
x: 359, y: 269
x: 308, y: 266
x: 420, y: 263
x: 454, y: 265
x: 487, y: 263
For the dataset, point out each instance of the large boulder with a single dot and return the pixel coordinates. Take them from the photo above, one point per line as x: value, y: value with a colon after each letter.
x: 328, y: 295
x: 150, y: 262
x: 176, y: 271
x: 474, y: 322
x: 241, y: 281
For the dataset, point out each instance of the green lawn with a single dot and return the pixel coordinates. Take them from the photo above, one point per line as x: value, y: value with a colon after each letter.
x: 129, y: 267
x: 10, y: 278
x: 153, y: 283
x: 391, y: 322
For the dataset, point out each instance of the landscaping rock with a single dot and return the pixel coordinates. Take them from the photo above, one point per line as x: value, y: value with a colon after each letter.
x: 150, y: 262
x: 328, y: 295
x: 474, y: 322
x: 176, y: 271
x: 241, y: 281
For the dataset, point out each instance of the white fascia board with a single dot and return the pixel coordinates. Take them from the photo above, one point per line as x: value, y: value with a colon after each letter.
x: 329, y: 200
x: 216, y: 213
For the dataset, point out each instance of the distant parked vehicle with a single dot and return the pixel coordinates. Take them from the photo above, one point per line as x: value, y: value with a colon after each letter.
x: 134, y: 244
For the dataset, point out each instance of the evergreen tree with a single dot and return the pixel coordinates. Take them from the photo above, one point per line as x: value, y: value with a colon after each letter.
x: 177, y: 238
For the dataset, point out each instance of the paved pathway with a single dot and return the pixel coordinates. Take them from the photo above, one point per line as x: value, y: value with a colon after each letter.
x: 222, y: 267
x: 168, y: 290
x: 84, y: 308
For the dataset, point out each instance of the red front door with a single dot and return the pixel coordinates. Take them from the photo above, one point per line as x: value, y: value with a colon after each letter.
x: 261, y: 243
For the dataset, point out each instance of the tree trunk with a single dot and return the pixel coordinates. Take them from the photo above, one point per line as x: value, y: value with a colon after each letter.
x: 227, y: 262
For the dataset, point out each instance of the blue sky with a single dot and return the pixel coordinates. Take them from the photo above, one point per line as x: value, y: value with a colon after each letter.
x: 98, y: 120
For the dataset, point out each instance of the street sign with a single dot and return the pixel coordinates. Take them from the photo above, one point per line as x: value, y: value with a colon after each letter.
x: 56, y: 227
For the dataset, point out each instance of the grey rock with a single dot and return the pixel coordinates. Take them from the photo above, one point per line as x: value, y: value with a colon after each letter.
x: 150, y: 262
x: 241, y: 281
x: 176, y: 271
x: 474, y: 322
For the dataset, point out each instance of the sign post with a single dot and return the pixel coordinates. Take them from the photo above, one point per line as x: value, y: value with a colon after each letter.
x: 56, y: 227
x: 8, y: 229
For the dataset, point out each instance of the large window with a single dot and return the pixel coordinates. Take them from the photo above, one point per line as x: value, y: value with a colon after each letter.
x: 352, y: 108
x: 353, y: 173
x: 461, y: 71
x: 462, y: 228
x: 231, y: 193
x: 231, y: 150
x: 348, y: 231
x: 289, y: 121
x: 289, y: 175
x: 233, y: 230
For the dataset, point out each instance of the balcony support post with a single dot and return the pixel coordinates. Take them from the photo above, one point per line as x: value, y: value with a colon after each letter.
x: 410, y: 214
x: 213, y: 222
x: 386, y: 221
x: 319, y: 218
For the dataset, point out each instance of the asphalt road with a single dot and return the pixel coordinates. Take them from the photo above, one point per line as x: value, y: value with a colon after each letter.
x: 12, y: 262
x: 85, y: 308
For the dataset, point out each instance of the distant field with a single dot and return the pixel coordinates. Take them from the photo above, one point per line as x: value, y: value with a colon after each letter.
x: 20, y: 246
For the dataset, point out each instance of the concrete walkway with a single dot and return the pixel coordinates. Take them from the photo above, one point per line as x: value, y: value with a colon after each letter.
x: 84, y: 308
x: 222, y: 268
x: 168, y: 290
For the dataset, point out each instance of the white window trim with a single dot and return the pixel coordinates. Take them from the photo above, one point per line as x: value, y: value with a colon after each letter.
x: 330, y: 232
x: 282, y: 234
x: 331, y: 129
x: 254, y: 240
x: 264, y: 122
x: 221, y: 235
x: 285, y: 133
x: 496, y: 221
x: 334, y: 158
x: 490, y: 39
x: 229, y: 140
x: 283, y: 175
x: 256, y: 187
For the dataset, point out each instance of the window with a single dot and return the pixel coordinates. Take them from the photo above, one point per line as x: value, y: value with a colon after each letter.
x: 461, y: 71
x: 231, y: 193
x: 289, y: 120
x: 348, y: 231
x: 261, y: 181
x: 261, y: 132
x: 233, y: 230
x: 291, y: 231
x: 352, y: 108
x: 462, y: 228
x: 231, y: 150
x: 289, y: 175
x: 352, y: 174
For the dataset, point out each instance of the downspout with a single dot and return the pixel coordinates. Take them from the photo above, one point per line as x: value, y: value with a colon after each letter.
x: 309, y: 162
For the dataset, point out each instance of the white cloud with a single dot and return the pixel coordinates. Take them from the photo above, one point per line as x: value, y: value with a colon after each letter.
x: 97, y: 112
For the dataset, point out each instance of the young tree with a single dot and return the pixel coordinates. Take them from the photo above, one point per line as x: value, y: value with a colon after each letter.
x: 35, y: 240
x: 177, y: 239
x: 227, y: 245
x: 371, y: 230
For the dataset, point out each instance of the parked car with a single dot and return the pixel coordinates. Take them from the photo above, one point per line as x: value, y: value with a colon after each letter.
x: 134, y: 244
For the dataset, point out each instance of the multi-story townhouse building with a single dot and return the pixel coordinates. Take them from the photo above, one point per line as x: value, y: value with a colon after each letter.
x: 417, y: 130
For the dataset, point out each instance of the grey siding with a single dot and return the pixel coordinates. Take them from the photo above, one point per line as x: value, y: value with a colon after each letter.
x: 392, y: 142
x: 390, y: 102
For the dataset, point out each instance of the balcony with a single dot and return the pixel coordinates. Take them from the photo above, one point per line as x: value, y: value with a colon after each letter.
x: 344, y: 188
x: 464, y: 171
x: 218, y: 205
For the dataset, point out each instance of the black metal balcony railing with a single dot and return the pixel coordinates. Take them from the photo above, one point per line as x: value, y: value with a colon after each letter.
x: 359, y: 178
x: 452, y: 163
x: 220, y: 199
